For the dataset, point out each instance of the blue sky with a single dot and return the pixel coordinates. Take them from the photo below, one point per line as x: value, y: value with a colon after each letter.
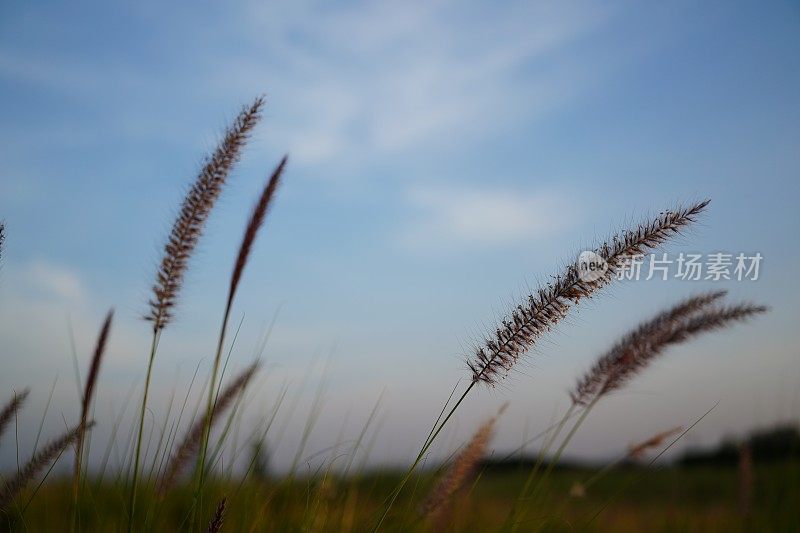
x: 444, y: 157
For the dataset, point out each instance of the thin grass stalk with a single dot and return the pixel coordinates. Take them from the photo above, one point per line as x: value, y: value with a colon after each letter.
x: 347, y: 515
x: 167, y: 451
x: 531, y: 440
x: 256, y: 221
x: 182, y: 241
x: 217, y: 453
x: 251, y: 465
x: 563, y: 446
x: 280, y: 433
x: 362, y: 434
x: 137, y: 454
x: 191, y: 441
x: 634, y: 451
x: 647, y: 342
x: 308, y: 427
x: 37, y: 463
x: 634, y: 478
x: 559, y: 427
x: 112, y: 439
x: 462, y: 467
x: 311, y: 421
x: 44, y: 414
x: 41, y: 482
x: 151, y: 473
x: 649, y: 345
x: 86, y: 401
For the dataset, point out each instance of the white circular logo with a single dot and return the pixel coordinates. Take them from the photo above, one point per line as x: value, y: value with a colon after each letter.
x: 591, y: 266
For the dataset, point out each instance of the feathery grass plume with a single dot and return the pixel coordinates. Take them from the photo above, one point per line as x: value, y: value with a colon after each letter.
x: 88, y: 392
x: 2, y: 236
x: 38, y: 462
x: 542, y: 310
x: 215, y: 525
x: 462, y: 468
x: 191, y: 441
x: 183, y: 238
x: 196, y: 206
x: 608, y: 364
x: 255, y: 222
x: 618, y: 367
x: 519, y: 331
x: 635, y: 451
x: 11, y: 409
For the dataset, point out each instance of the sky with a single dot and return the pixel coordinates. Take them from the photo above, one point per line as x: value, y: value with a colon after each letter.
x: 444, y: 159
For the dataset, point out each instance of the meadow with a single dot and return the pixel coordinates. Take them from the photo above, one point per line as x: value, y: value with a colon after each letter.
x: 172, y: 477
x: 628, y: 499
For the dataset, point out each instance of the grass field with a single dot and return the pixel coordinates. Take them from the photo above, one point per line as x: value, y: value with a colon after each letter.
x: 628, y: 499
x: 149, y: 493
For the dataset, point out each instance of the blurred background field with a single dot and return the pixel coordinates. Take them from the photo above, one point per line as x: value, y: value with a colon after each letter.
x: 705, y: 490
x: 447, y: 163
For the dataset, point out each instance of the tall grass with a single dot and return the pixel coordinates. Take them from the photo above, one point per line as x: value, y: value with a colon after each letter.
x: 37, y: 463
x: 181, y: 243
x: 542, y: 310
x: 86, y: 402
x: 168, y: 491
x: 191, y: 442
x: 255, y: 223
x: 463, y: 467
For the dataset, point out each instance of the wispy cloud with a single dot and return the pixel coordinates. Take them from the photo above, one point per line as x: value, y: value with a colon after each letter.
x: 348, y: 82
x: 448, y: 217
x: 42, y: 301
x: 54, y: 282
x: 378, y: 79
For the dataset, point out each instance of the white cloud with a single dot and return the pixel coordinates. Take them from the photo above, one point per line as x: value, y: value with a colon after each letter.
x: 394, y: 78
x: 349, y: 82
x: 484, y: 217
x: 43, y: 305
x: 55, y: 282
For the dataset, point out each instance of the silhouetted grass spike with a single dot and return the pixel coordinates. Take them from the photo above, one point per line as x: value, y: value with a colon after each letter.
x: 38, y: 462
x: 551, y: 303
x: 191, y: 441
x: 215, y: 525
x: 638, y: 348
x: 194, y: 211
x: 463, y: 466
x: 89, y: 388
x: 637, y: 450
x: 256, y: 221
x: 11, y: 409
x: 634, y: 341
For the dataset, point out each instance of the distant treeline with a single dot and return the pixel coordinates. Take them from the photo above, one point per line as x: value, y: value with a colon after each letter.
x: 771, y: 445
